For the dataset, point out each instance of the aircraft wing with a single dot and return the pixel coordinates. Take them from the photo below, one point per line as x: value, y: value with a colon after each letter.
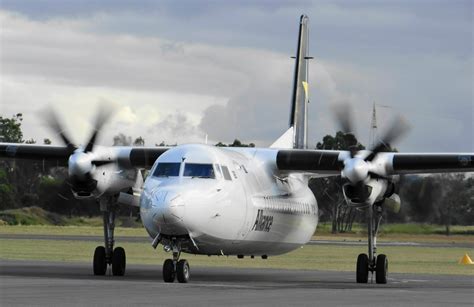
x: 385, y: 164
x: 311, y: 161
x: 126, y: 156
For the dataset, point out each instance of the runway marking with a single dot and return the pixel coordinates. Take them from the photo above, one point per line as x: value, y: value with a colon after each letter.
x: 197, y: 284
x: 413, y: 280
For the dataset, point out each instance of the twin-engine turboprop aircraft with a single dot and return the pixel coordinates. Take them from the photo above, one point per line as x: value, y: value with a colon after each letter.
x: 202, y: 199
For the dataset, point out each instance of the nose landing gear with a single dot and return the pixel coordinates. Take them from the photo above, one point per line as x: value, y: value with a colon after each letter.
x: 175, y: 268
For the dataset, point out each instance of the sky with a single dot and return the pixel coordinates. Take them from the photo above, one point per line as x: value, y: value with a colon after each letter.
x: 176, y: 71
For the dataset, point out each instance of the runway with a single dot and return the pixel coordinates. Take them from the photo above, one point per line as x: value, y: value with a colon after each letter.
x: 148, y: 240
x: 72, y: 284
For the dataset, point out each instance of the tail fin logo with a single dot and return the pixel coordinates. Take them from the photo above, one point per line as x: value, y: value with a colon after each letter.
x: 305, y: 87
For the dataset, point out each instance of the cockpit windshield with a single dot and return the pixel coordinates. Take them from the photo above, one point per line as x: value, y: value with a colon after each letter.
x: 167, y: 170
x: 199, y: 170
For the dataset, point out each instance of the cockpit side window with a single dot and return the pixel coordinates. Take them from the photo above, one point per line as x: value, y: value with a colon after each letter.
x: 166, y: 169
x: 218, y: 170
x: 225, y: 170
x: 199, y: 170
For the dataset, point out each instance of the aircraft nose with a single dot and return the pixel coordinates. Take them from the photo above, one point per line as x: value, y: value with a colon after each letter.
x: 169, y: 207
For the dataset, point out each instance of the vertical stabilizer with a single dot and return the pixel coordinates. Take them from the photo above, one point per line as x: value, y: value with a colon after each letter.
x: 300, y: 99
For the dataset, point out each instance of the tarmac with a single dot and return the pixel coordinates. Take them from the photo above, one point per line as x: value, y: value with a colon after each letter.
x: 73, y: 284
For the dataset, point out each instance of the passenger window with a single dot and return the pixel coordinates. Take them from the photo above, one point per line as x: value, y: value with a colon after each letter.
x: 225, y: 170
x: 167, y: 170
x: 199, y: 170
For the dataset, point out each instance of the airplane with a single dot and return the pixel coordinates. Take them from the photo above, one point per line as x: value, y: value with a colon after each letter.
x: 207, y: 200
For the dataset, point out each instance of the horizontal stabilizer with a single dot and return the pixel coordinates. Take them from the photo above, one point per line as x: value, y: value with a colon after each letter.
x: 285, y: 141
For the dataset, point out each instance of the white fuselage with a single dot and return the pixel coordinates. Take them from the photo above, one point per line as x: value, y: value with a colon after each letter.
x: 256, y: 211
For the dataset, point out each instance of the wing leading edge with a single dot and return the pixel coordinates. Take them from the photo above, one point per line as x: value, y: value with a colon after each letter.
x: 386, y: 164
x: 127, y: 157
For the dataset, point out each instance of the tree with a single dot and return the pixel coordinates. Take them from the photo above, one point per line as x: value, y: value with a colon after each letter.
x: 340, y: 141
x: 236, y: 143
x: 419, y: 195
x: 122, y: 140
x: 163, y: 144
x: 139, y: 141
x: 455, y: 200
x: 7, y: 191
x: 10, y: 129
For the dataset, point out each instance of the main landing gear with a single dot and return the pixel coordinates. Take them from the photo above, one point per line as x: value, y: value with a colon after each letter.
x: 108, y: 255
x: 371, y: 262
x: 175, y: 268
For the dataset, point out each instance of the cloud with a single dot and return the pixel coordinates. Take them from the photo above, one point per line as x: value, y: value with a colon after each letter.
x: 229, y: 75
x: 156, y: 84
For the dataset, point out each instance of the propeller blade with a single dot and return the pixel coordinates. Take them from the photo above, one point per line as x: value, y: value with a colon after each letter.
x: 398, y: 128
x: 104, y: 114
x: 52, y: 120
x: 343, y: 115
x: 102, y: 162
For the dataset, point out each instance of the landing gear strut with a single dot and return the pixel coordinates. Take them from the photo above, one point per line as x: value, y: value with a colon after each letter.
x: 371, y: 262
x: 106, y: 255
x: 175, y: 268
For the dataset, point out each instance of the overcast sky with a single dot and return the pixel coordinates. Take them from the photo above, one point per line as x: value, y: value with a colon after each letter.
x: 178, y: 70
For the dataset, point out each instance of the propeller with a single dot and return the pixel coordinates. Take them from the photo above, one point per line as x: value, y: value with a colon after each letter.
x: 397, y: 129
x: 343, y: 116
x: 102, y: 117
x: 357, y: 169
x: 82, y: 160
x: 51, y: 119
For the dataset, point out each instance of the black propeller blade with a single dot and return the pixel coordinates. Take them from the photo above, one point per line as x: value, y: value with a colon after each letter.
x: 398, y: 128
x: 51, y: 119
x: 343, y: 114
x: 104, y: 114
